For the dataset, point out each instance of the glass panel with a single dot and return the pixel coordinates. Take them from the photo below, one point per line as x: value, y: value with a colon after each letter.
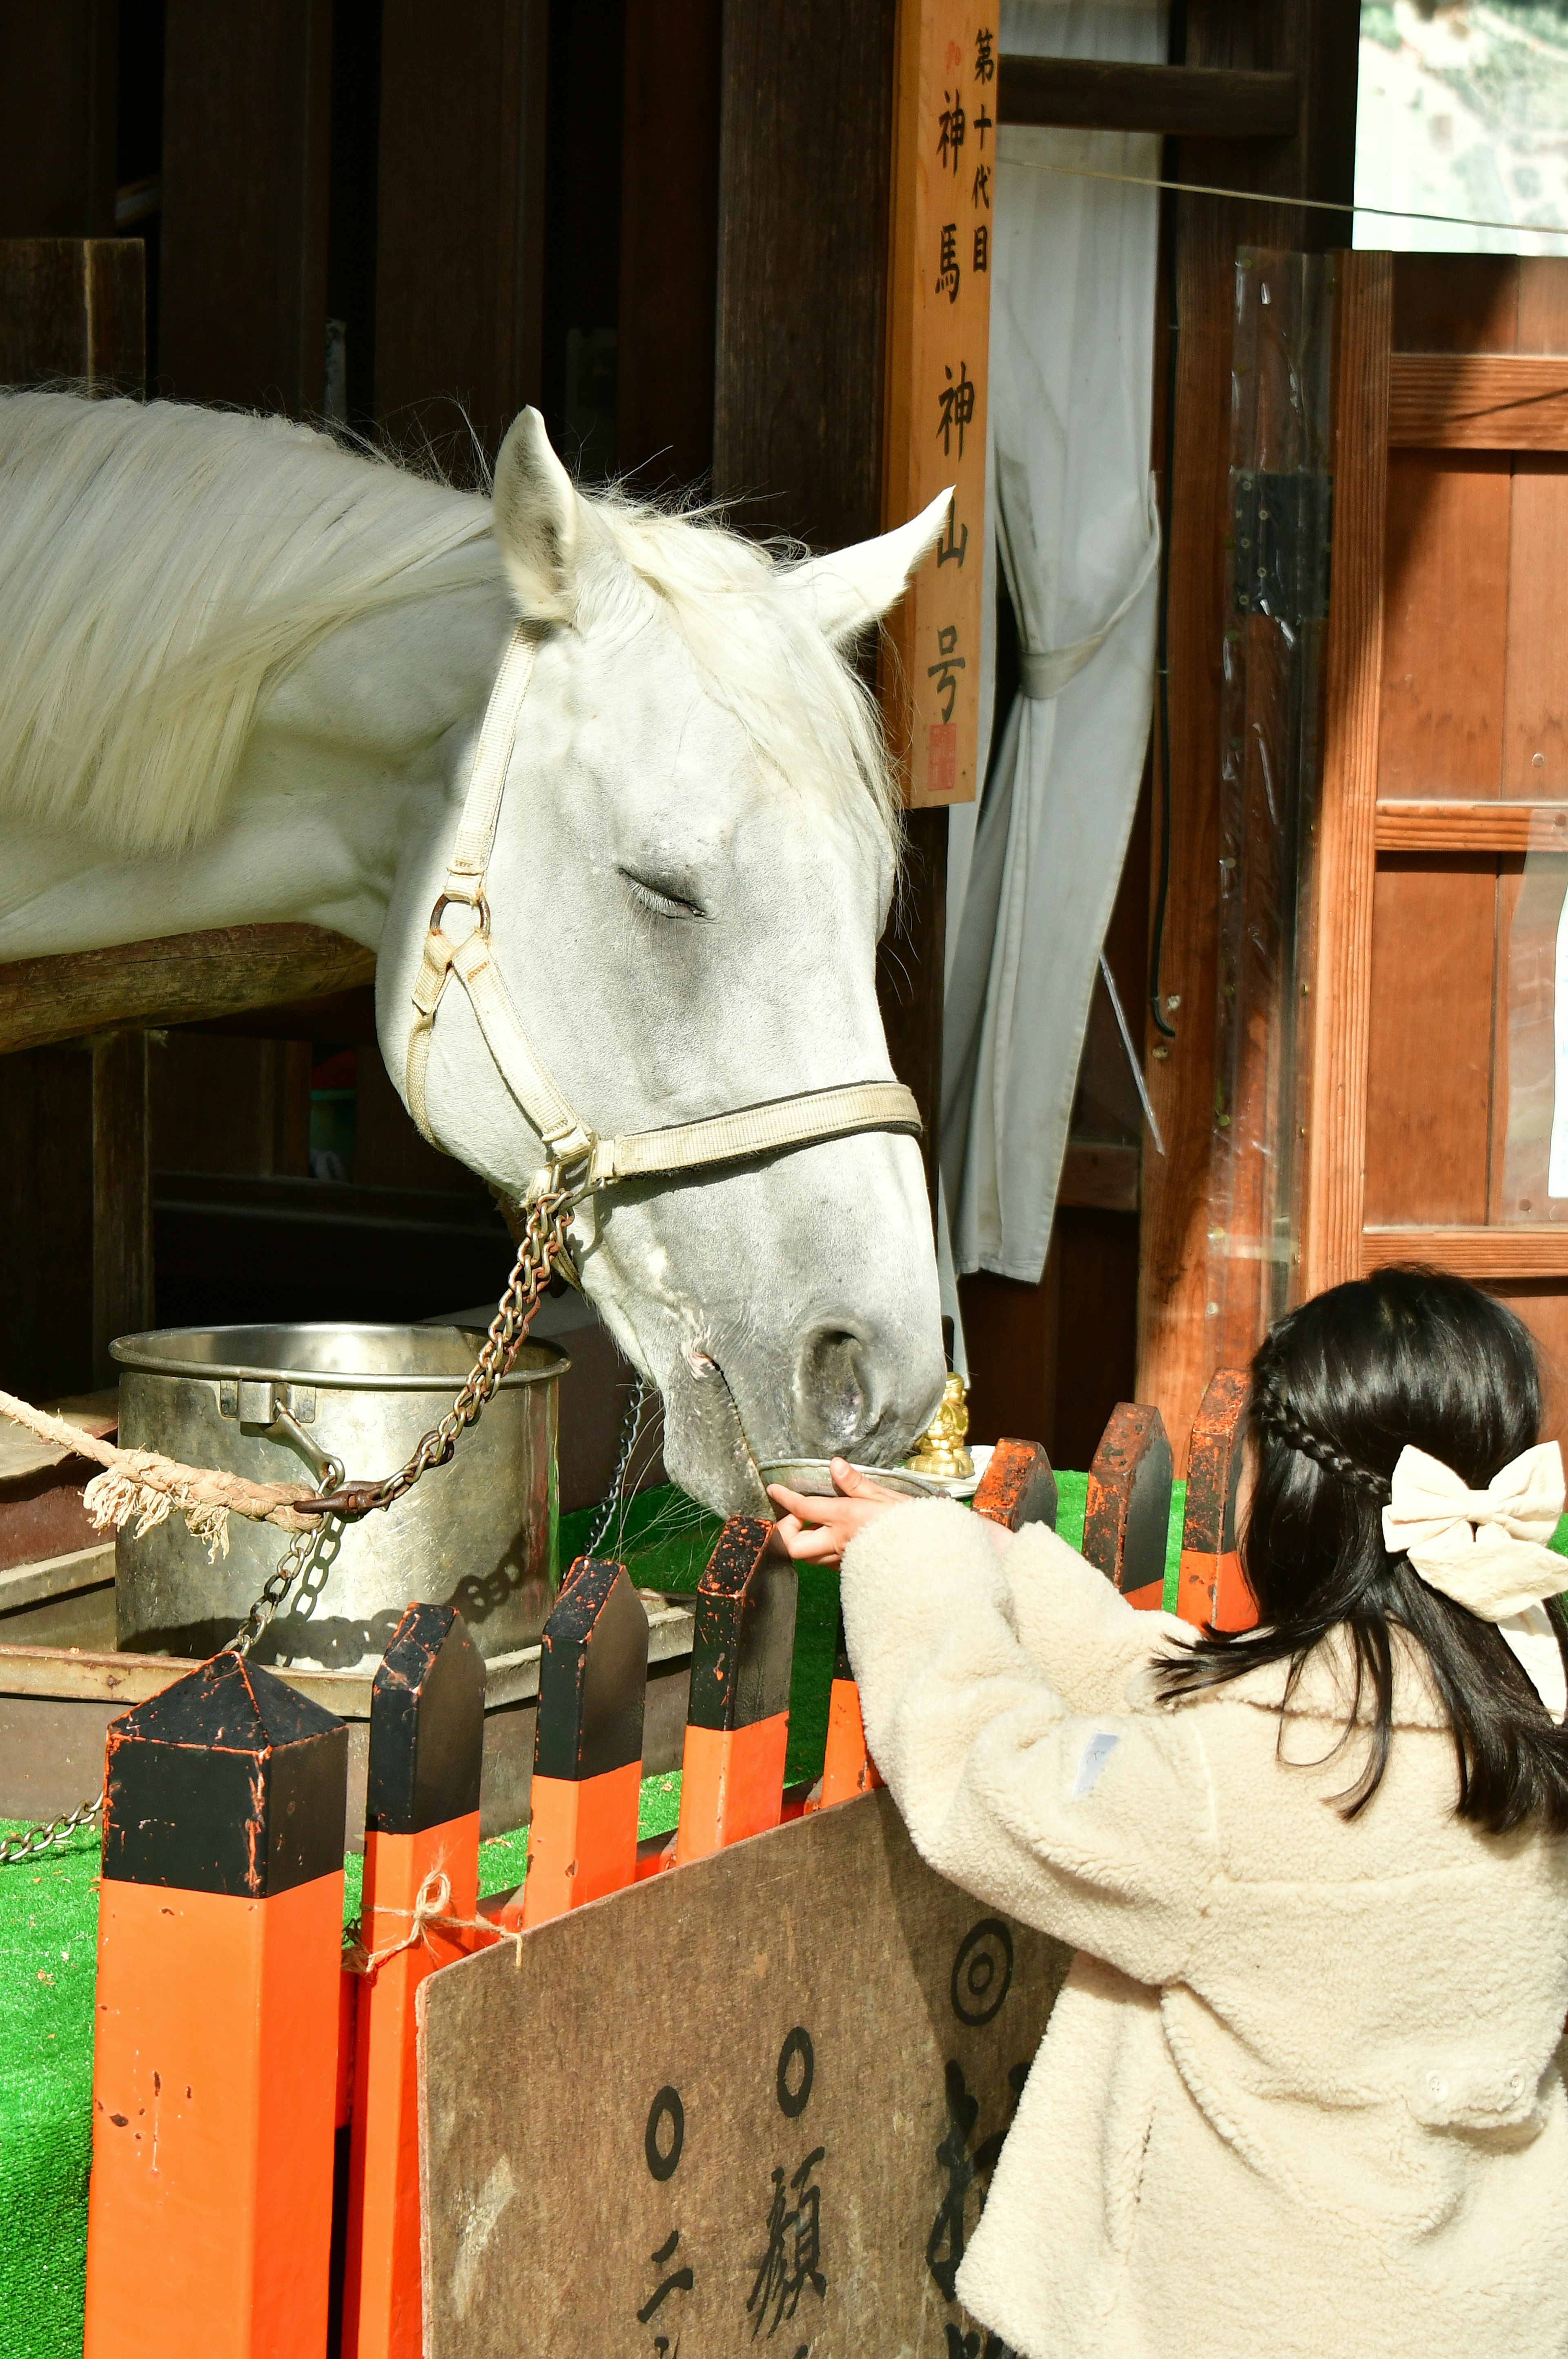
x: 1462, y: 110
x: 1276, y: 609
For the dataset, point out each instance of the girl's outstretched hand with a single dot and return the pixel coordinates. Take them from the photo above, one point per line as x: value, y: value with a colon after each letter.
x: 817, y: 1530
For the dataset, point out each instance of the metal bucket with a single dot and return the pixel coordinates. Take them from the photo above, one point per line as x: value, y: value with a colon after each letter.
x: 270, y: 1403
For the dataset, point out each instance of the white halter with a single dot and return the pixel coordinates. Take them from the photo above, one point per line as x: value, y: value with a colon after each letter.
x: 578, y: 1155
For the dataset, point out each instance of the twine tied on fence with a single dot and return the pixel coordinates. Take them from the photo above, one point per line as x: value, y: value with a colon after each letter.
x: 431, y: 1903
x: 140, y: 1484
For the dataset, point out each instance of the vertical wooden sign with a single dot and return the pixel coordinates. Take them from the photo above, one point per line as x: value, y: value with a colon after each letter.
x: 944, y: 189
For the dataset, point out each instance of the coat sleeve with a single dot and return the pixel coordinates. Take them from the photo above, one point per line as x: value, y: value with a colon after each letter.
x: 1081, y: 1633
x: 1097, y: 1828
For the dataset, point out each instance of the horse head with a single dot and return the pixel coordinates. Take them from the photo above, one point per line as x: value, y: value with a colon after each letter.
x: 694, y: 859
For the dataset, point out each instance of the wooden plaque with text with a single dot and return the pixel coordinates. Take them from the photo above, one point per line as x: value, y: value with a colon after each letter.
x: 749, y: 2105
x: 944, y: 158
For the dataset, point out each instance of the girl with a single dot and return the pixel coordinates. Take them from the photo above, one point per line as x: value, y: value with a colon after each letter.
x: 1301, y: 2093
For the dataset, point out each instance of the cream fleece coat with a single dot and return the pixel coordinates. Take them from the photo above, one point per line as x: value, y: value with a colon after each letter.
x: 1301, y: 2093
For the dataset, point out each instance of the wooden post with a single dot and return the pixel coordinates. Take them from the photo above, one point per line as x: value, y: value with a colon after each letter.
x: 737, y: 1723
x: 1212, y: 1589
x: 215, y: 2052
x: 421, y: 1819
x: 122, y: 1196
x: 1127, y: 1513
x: 847, y: 1767
x: 1177, y: 1346
x: 582, y: 1825
x: 1018, y: 1488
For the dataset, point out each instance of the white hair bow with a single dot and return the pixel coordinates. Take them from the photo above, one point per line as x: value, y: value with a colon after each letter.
x: 1486, y: 1550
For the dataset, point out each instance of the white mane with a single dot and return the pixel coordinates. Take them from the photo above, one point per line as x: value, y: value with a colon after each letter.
x: 161, y: 567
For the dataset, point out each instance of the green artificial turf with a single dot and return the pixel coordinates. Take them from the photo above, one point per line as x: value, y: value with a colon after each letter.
x: 48, y: 1919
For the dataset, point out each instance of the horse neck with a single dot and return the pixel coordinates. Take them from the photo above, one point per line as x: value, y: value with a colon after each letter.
x: 353, y: 766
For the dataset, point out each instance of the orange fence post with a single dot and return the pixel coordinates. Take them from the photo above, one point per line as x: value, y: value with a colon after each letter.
x: 1212, y: 1588
x: 583, y: 1817
x: 847, y: 1767
x: 421, y: 1819
x: 1017, y: 1486
x: 737, y: 1722
x: 220, y: 1931
x: 1127, y: 1511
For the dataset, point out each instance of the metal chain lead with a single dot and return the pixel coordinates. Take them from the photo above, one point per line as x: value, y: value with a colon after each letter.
x: 543, y: 1244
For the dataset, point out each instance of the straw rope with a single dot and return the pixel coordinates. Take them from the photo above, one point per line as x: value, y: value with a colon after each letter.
x: 141, y: 1486
x: 431, y: 1903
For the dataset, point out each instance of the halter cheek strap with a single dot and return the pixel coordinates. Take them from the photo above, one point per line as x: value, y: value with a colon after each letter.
x: 775, y: 1126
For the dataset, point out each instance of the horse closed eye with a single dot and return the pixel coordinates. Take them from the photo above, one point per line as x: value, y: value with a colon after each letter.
x: 660, y: 899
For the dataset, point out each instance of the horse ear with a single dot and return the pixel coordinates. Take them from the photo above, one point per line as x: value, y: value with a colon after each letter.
x: 535, y: 521
x: 856, y: 586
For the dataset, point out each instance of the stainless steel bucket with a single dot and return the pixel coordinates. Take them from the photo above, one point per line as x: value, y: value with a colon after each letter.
x: 479, y: 1533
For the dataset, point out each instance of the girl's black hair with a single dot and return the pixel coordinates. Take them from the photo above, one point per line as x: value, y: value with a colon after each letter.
x: 1339, y: 1387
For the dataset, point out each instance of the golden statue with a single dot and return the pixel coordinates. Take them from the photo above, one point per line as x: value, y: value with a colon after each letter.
x: 940, y: 1450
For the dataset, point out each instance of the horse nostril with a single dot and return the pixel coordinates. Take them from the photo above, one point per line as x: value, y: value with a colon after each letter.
x: 833, y: 1390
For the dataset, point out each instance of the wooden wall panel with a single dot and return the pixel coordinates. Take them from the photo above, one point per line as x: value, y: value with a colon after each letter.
x: 247, y: 104
x: 1535, y: 707
x: 1429, y: 1052
x: 459, y: 218
x: 1542, y: 1304
x: 807, y: 115
x: 669, y: 230
x: 57, y: 118
x: 1445, y: 624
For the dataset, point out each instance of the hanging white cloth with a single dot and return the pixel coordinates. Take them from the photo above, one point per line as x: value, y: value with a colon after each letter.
x: 1033, y: 871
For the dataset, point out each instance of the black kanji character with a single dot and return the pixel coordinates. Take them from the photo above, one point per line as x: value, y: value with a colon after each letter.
x: 982, y: 124
x: 952, y: 126
x: 957, y: 405
x: 793, y: 2259
x: 982, y: 247
x: 947, y: 277
x: 981, y: 193
x: 679, y: 2281
x: 985, y: 63
x: 945, y: 674
x: 949, y: 549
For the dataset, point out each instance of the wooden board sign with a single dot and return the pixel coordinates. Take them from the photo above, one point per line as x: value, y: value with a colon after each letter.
x: 943, y: 214
x: 750, y: 2105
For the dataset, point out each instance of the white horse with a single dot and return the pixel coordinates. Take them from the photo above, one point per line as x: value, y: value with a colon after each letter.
x: 241, y: 674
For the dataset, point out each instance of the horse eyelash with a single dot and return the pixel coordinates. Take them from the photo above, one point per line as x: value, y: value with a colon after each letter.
x: 657, y: 901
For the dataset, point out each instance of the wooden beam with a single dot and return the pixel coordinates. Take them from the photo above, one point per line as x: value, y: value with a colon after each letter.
x: 243, y: 303
x: 1479, y: 401
x: 1099, y: 1176
x: 1100, y: 95
x: 1488, y: 1256
x: 1345, y: 870
x: 1479, y: 826
x: 180, y: 979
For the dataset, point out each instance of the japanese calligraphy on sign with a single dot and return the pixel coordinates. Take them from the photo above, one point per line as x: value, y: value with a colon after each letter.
x: 747, y: 2110
x: 943, y: 198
